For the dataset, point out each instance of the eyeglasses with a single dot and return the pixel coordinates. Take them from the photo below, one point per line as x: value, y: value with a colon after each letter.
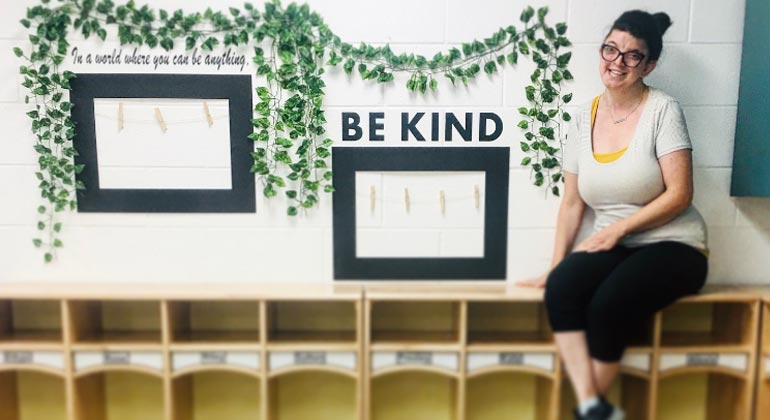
x: 629, y: 58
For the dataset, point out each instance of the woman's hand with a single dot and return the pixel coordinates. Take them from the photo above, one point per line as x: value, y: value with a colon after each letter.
x: 602, y: 240
x: 538, y: 282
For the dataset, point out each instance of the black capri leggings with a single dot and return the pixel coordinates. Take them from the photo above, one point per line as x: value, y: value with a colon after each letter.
x: 611, y: 294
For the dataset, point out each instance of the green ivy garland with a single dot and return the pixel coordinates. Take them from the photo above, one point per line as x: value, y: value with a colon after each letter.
x: 288, y: 117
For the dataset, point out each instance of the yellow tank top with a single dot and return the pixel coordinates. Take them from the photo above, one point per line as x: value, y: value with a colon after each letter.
x: 604, y: 157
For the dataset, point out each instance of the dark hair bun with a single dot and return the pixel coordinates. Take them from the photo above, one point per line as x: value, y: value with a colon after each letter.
x: 644, y: 26
x: 663, y: 21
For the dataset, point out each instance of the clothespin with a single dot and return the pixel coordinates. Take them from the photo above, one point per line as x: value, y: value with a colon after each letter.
x: 372, y: 198
x: 407, y: 204
x: 476, y: 196
x: 442, y: 202
x: 160, y: 119
x: 208, y: 113
x: 121, y: 117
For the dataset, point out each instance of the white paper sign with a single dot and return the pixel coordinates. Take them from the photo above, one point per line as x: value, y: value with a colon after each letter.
x: 189, y: 154
x: 426, y: 214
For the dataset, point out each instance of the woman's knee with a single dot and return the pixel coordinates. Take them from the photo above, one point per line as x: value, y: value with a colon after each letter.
x: 558, y: 291
x: 565, y: 308
x: 568, y: 280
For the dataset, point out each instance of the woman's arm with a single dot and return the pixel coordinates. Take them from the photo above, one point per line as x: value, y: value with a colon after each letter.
x: 567, y: 227
x: 568, y: 220
x: 676, y: 168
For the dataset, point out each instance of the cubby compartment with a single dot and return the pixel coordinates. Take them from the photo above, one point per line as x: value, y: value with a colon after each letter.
x: 312, y: 321
x: 31, y: 395
x: 30, y: 321
x: 413, y: 395
x: 763, y: 376
x: 506, y: 323
x: 432, y: 322
x: 206, y: 321
x: 514, y: 395
x: 629, y: 392
x: 220, y: 395
x: 119, y: 322
x: 703, y: 395
x: 763, y: 397
x: 313, y: 394
x: 119, y: 395
x: 694, y: 324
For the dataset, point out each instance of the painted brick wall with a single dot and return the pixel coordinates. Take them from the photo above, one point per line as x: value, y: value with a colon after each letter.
x: 700, y: 66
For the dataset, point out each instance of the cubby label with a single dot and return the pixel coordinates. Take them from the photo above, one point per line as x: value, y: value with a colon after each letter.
x: 480, y: 360
x: 511, y: 358
x: 414, y: 358
x: 734, y: 361
x: 117, y: 357
x: 310, y: 358
x: 185, y: 359
x: 41, y: 358
x: 283, y: 359
x: 213, y: 358
x: 18, y: 357
x: 702, y: 359
x: 384, y: 359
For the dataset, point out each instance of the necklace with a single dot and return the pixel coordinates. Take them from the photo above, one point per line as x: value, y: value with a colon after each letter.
x: 618, y: 121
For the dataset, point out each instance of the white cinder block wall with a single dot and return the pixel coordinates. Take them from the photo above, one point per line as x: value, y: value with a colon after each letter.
x: 700, y: 66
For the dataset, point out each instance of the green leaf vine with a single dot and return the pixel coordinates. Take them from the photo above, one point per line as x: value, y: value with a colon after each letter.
x: 292, y: 48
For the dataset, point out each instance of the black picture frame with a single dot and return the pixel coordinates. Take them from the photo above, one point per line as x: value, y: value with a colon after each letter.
x: 241, y: 198
x: 494, y: 161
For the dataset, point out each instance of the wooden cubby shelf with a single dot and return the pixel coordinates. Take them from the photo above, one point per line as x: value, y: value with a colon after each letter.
x: 32, y: 394
x: 30, y: 322
x: 404, y: 323
x: 298, y: 322
x: 115, y: 322
x: 358, y: 351
x: 414, y: 393
x: 704, y: 394
x: 710, y: 323
x: 217, y: 392
x: 314, y: 393
x: 512, y: 394
x: 507, y: 323
x: 114, y: 393
x: 206, y: 322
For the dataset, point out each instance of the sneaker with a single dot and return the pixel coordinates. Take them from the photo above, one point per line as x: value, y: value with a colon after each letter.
x: 597, y: 412
x: 602, y: 411
x: 614, y: 413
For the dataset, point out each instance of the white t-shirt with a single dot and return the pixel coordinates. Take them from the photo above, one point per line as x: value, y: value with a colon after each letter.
x: 617, y: 189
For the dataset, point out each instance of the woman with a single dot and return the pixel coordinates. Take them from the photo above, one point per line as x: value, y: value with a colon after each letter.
x: 628, y: 156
